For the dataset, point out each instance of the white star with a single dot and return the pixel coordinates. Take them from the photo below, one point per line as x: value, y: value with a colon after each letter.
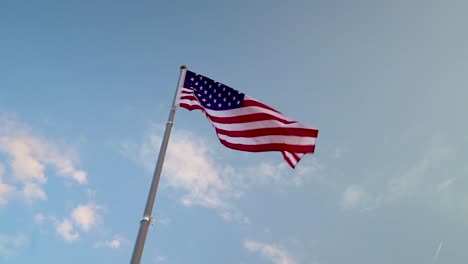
x: 224, y: 89
x: 201, y: 87
x: 206, y: 91
x: 204, y: 100
x: 233, y: 98
x: 208, y: 104
x: 209, y: 86
x: 201, y: 77
x: 214, y: 100
x: 192, y: 79
x: 238, y: 102
x: 229, y: 104
x: 219, y: 95
x: 229, y: 93
x: 196, y: 84
x: 199, y: 94
x: 214, y: 90
x: 219, y: 85
x: 205, y: 82
x: 219, y: 105
x: 209, y: 96
x: 224, y: 99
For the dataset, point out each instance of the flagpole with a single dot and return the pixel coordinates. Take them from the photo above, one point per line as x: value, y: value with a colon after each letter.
x: 144, y: 223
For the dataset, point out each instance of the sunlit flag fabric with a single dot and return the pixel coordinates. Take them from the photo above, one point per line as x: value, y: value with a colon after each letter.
x: 243, y: 123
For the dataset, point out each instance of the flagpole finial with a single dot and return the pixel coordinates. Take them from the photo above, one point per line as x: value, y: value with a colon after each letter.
x: 183, y: 67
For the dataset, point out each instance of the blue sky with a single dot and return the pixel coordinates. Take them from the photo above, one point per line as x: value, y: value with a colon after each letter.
x: 85, y: 90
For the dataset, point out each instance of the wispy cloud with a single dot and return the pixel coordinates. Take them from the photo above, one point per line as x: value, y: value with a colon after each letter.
x: 281, y: 174
x: 6, y: 190
x: 39, y: 218
x: 339, y: 152
x: 355, y: 196
x: 83, y: 217
x: 114, y: 243
x: 189, y: 167
x: 193, y: 170
x: 271, y: 252
x: 9, y: 244
x: 160, y: 259
x: 445, y: 184
x: 66, y: 230
x: 436, y: 255
x: 29, y: 159
x: 29, y: 156
x: 418, y: 180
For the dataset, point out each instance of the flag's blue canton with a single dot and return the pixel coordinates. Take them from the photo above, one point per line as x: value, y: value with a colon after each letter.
x: 211, y: 94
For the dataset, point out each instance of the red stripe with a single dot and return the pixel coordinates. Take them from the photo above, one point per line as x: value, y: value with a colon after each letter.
x: 191, y: 107
x: 253, y: 102
x: 189, y: 97
x: 236, y: 119
x: 290, y: 162
x: 269, y: 147
x: 300, y: 132
x: 247, y: 118
x: 296, y: 156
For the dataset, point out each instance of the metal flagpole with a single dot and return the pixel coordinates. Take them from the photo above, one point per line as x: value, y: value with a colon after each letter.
x: 144, y: 223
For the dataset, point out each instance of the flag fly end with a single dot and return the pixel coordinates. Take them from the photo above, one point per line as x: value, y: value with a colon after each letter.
x: 244, y: 123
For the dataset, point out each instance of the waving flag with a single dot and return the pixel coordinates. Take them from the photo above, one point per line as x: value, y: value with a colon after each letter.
x: 243, y: 123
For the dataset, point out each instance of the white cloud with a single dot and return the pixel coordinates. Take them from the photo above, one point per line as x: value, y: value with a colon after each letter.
x: 25, y: 167
x: 339, y: 152
x: 163, y: 220
x: 188, y: 168
x: 39, y: 218
x: 275, y: 254
x: 85, y: 216
x: 160, y: 259
x: 235, y: 216
x: 65, y: 230
x: 354, y: 196
x: 33, y: 191
x: 29, y: 156
x: 445, y: 184
x: 9, y: 244
x: 436, y: 255
x: 281, y: 173
x: 420, y: 180
x: 6, y: 190
x: 114, y: 243
x: 193, y: 170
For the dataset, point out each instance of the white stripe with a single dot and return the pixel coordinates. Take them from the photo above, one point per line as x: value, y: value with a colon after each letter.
x: 189, y: 102
x: 187, y: 90
x: 260, y: 140
x: 248, y: 110
x: 290, y: 157
x: 257, y: 125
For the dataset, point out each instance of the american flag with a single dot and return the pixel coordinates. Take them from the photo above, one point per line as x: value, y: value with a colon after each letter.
x: 243, y: 123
